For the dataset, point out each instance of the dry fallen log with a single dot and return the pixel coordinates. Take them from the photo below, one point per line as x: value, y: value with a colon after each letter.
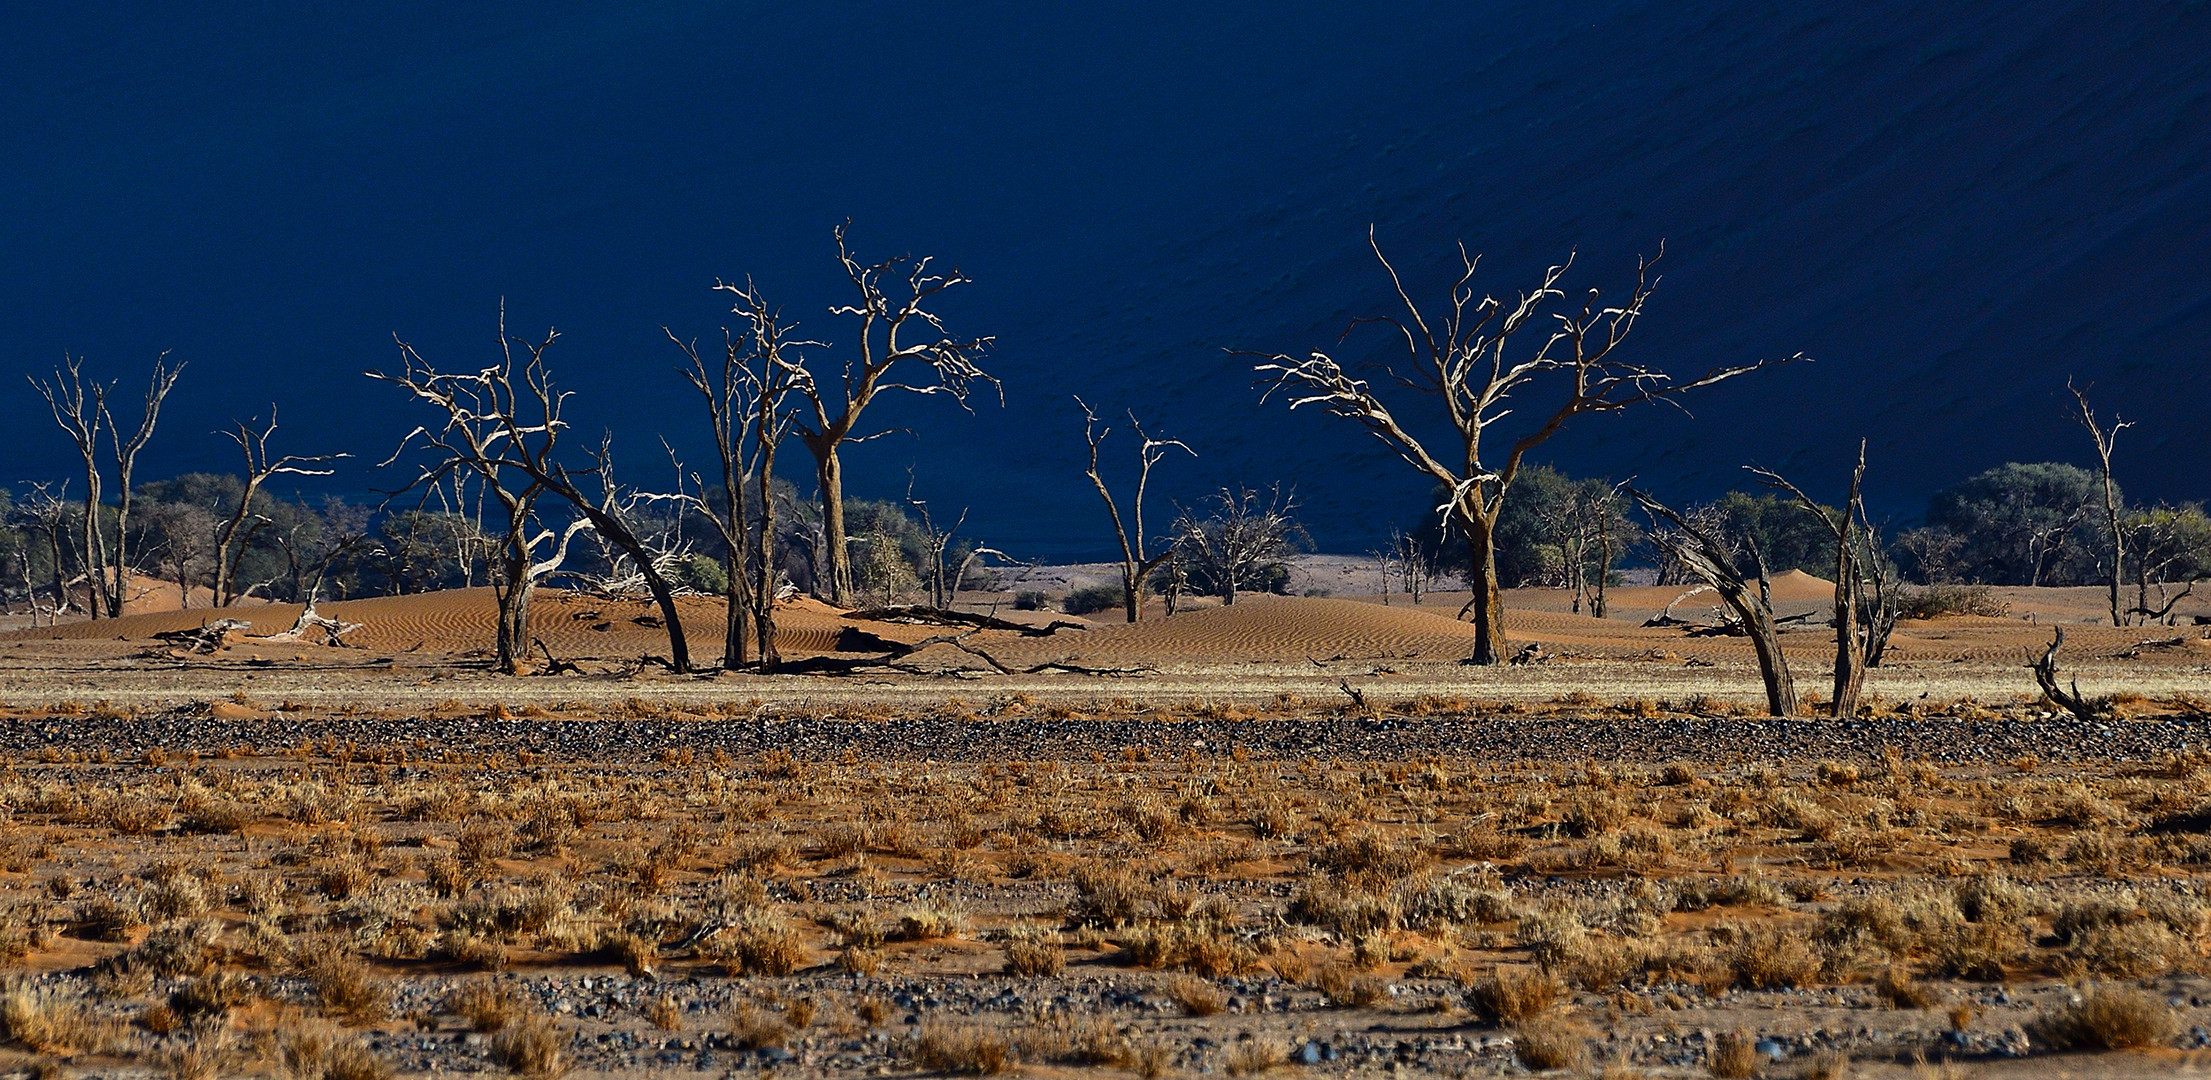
x: 933, y: 616
x: 331, y: 630
x: 205, y: 638
x: 2045, y: 676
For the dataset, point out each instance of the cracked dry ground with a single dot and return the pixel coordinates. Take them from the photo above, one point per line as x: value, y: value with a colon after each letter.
x: 356, y: 900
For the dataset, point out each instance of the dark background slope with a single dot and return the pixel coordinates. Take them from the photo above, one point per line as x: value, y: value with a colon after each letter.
x: 1951, y: 206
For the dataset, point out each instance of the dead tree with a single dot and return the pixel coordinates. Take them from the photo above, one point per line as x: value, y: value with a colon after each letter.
x: 1706, y: 557
x: 484, y: 434
x: 1136, y: 566
x: 2104, y: 439
x: 1850, y: 589
x: 45, y: 510
x: 1468, y: 356
x: 1243, y: 537
x: 886, y: 342
x: 938, y: 543
x: 2159, y: 539
x: 82, y: 412
x: 2045, y: 676
x: 230, y: 543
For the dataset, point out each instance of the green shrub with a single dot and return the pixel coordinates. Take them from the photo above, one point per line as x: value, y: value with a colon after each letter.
x: 1092, y: 599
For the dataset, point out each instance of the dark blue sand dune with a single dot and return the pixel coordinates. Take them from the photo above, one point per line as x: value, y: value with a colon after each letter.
x: 1952, y: 206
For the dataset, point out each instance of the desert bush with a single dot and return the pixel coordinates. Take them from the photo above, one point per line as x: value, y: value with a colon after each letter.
x: 1550, y: 1042
x: 754, y: 1028
x: 485, y: 1006
x: 1733, y: 1055
x: 1106, y: 896
x: 1345, y: 988
x: 1510, y: 995
x: 1032, y: 600
x: 1195, y: 996
x: 1367, y: 856
x: 1896, y: 986
x: 1769, y: 958
x: 47, y: 1023
x: 2105, y: 1018
x: 1034, y: 951
x: 758, y: 942
x: 1939, y: 600
x: 1091, y: 599
x: 961, y: 1049
x: 531, y: 1046
x: 1253, y: 1057
x: 345, y: 987
x: 322, y: 1054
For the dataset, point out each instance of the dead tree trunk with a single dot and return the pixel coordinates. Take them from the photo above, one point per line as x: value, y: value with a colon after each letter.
x: 885, y: 329
x: 230, y: 545
x: 1707, y: 558
x: 2045, y: 676
x: 2104, y: 441
x: 1136, y: 566
x: 1850, y: 641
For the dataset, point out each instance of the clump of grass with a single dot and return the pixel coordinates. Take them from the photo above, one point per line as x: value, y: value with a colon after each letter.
x: 323, y: 1054
x: 1034, y: 951
x: 346, y: 988
x: 1254, y: 1057
x: 1550, y: 1042
x: 1510, y: 995
x: 485, y: 1007
x: 962, y: 1049
x: 666, y: 1014
x: 531, y: 1046
x: 754, y: 1028
x: 1196, y: 996
x: 1733, y: 1055
x: 2105, y: 1018
x: 51, y: 1024
x: 760, y: 943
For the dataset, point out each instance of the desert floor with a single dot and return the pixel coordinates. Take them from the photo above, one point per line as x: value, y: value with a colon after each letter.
x: 1289, y: 837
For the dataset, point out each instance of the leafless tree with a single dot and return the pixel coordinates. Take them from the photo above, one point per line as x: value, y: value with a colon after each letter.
x: 503, y: 425
x: 2161, y: 538
x: 744, y: 402
x: 313, y: 545
x: 1468, y: 354
x: 944, y: 580
x: 485, y: 434
x: 261, y: 466
x: 1136, y: 566
x: 185, y: 534
x: 1933, y: 551
x: 1852, y: 637
x: 1707, y: 557
x: 82, y: 412
x: 2104, y: 440
x: 887, y: 330
x: 44, y: 510
x: 1246, y: 534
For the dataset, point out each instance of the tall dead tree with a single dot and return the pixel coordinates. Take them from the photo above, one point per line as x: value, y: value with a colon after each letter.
x: 44, y: 509
x: 944, y: 582
x: 1706, y: 557
x: 261, y: 466
x: 744, y: 403
x: 82, y: 412
x: 484, y: 434
x: 1851, y: 638
x: 886, y: 330
x: 1136, y: 566
x: 1469, y: 355
x: 2104, y: 440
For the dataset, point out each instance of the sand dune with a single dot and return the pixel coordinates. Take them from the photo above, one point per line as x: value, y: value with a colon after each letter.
x: 1258, y: 629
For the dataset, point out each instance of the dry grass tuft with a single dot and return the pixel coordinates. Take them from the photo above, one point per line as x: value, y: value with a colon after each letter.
x: 1196, y: 996
x: 531, y: 1046
x: 2105, y: 1018
x: 1511, y: 995
x: 962, y: 1049
x: 1733, y: 1055
x: 1550, y: 1042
